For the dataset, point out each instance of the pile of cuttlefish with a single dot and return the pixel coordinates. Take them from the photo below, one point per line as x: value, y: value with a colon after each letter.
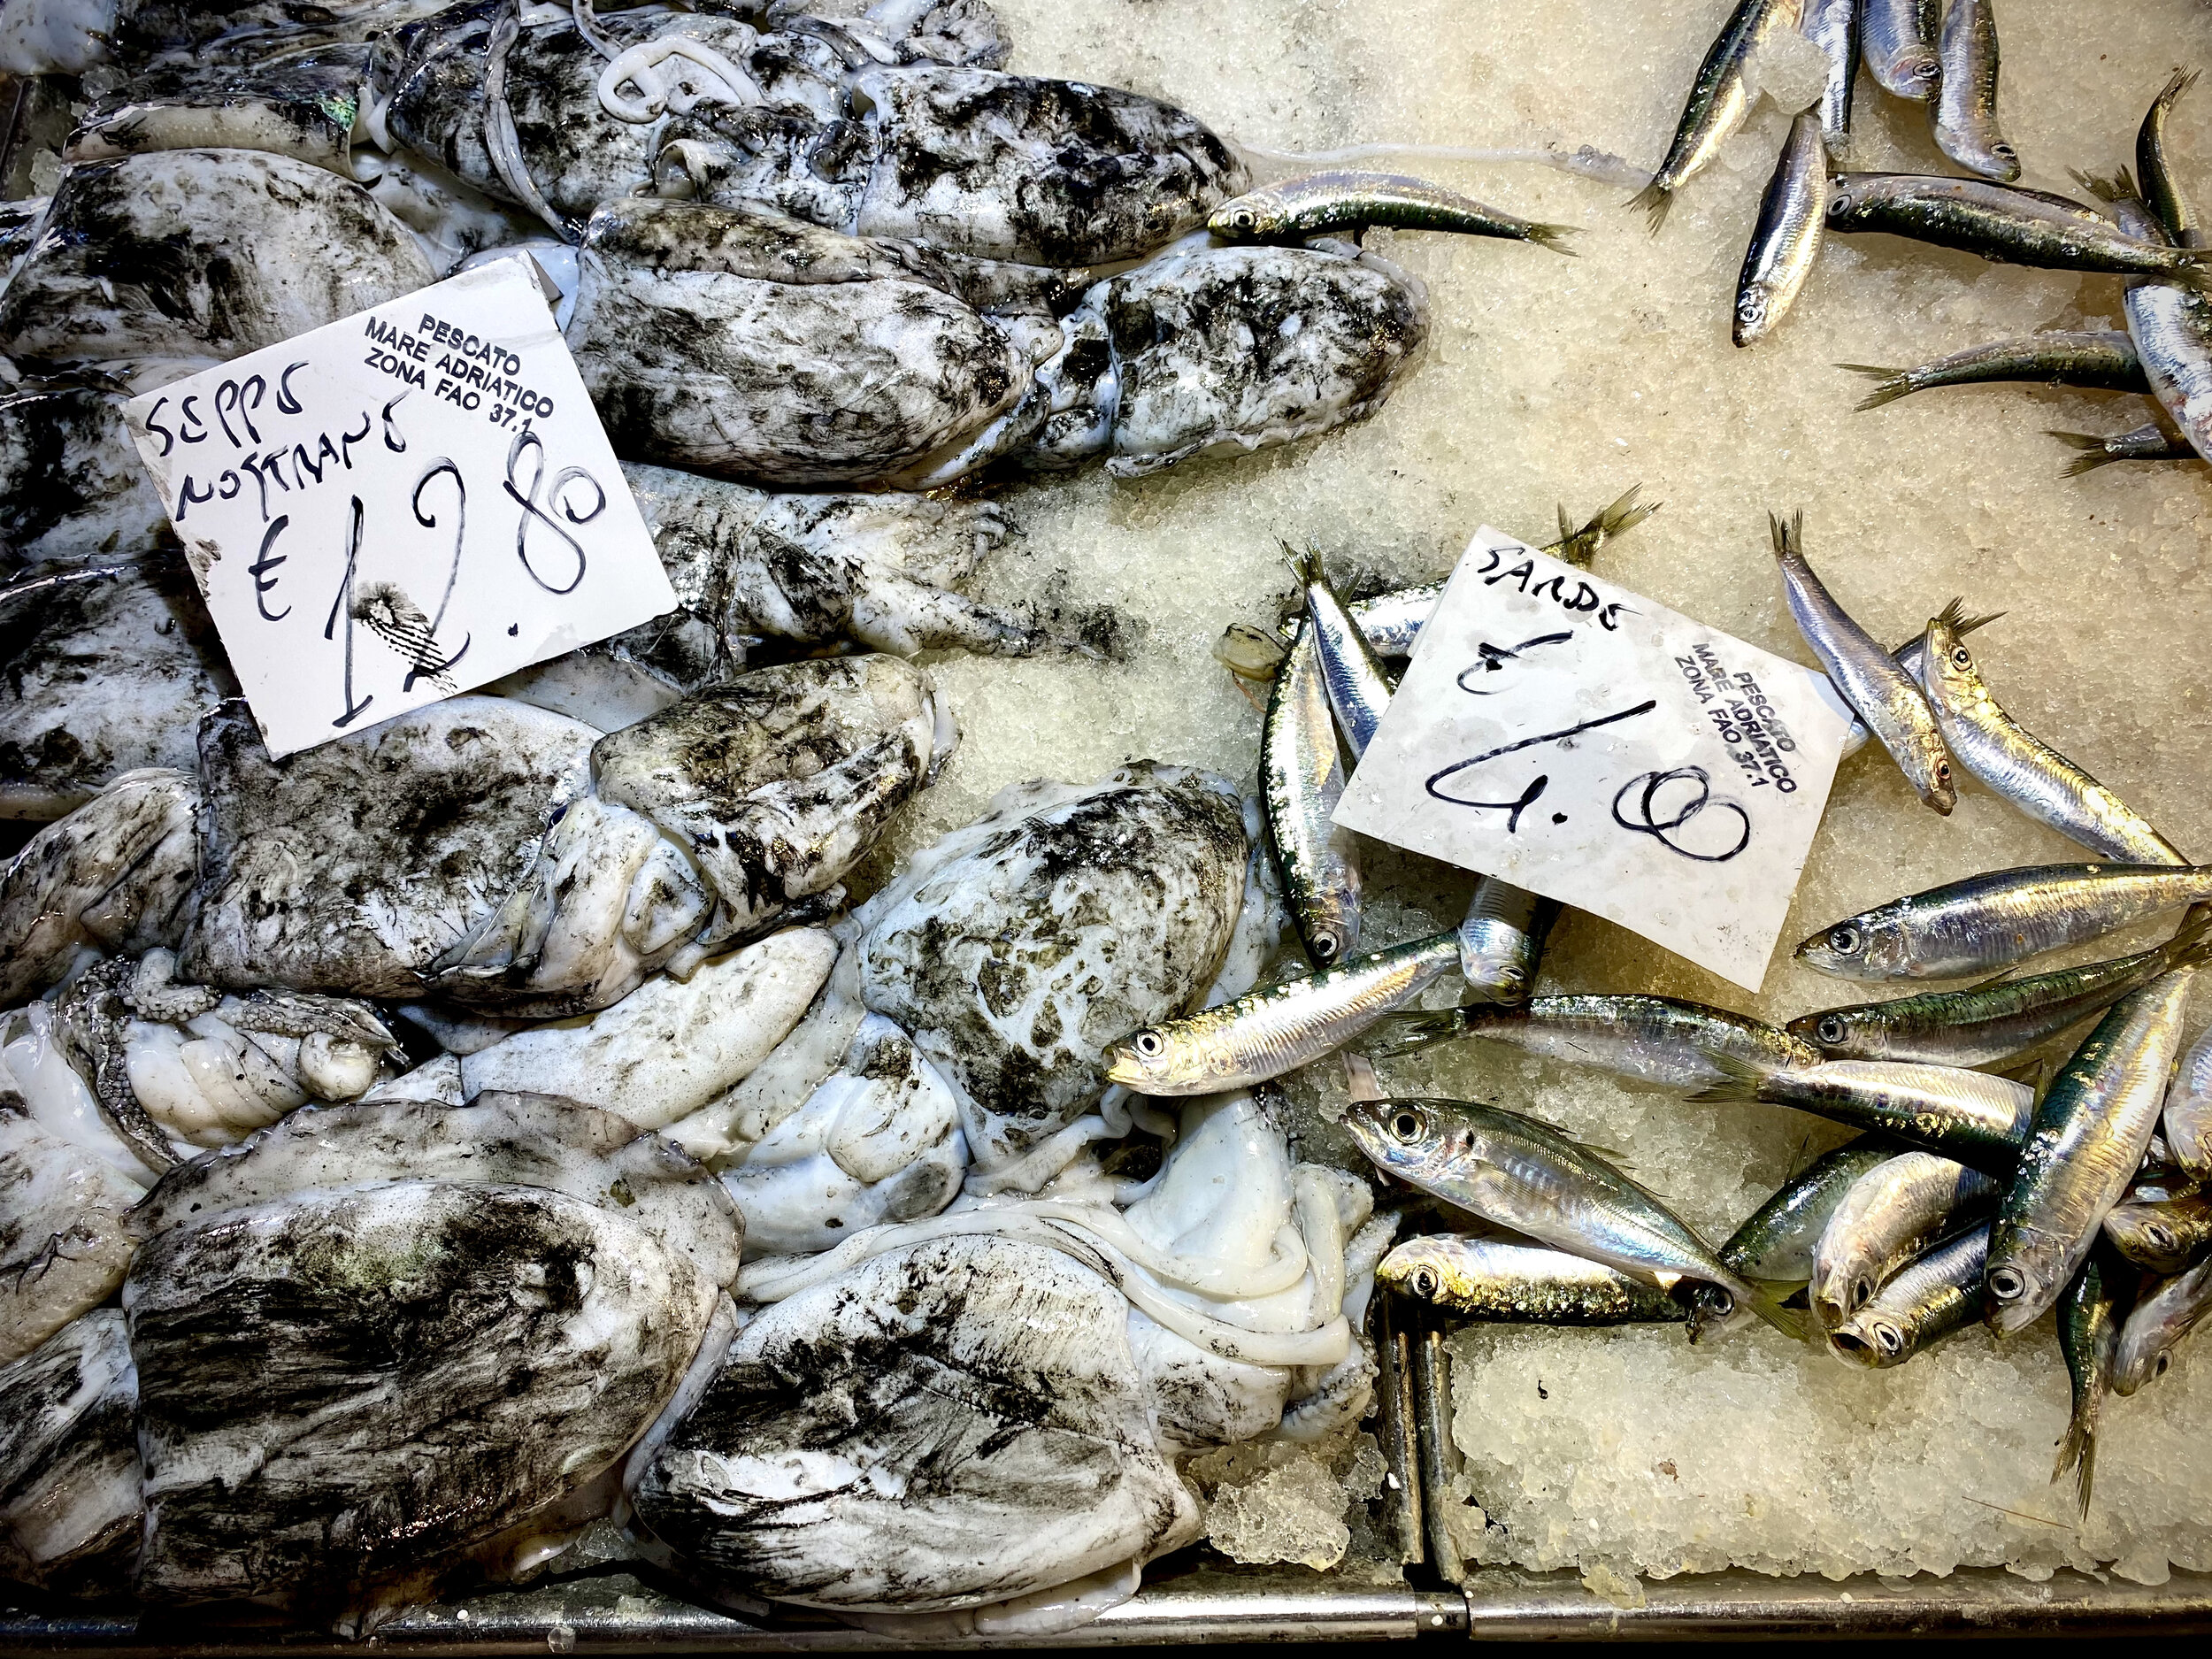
x: 494, y: 1133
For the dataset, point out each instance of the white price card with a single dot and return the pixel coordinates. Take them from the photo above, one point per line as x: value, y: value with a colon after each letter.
x: 400, y: 506
x: 1577, y: 740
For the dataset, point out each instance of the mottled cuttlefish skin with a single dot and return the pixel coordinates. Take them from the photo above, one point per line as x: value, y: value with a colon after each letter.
x: 345, y: 1386
x: 64, y: 1245
x: 1018, y: 948
x: 303, y: 106
x: 143, y: 257
x: 951, y: 1423
x: 70, y: 1515
x: 71, y: 485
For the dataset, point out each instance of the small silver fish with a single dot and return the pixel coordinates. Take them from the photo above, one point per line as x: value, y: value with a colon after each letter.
x: 1526, y: 1175
x: 1887, y: 698
x: 2087, y: 1141
x: 1267, y: 1032
x: 2089, y: 1339
x: 1717, y: 101
x: 1504, y: 1282
x: 2165, y: 1314
x: 1334, y: 202
x: 2002, y: 223
x: 2188, y: 1110
x: 1359, y: 688
x: 1963, y: 115
x: 1991, y: 921
x: 1834, y: 26
x: 1502, y: 938
x: 1894, y: 1215
x: 1774, y: 1246
x: 2162, y: 189
x: 1302, y: 779
x: 1940, y: 1294
x: 2103, y: 360
x: 1792, y: 219
x: 1990, y: 1022
x: 2170, y: 323
x: 1967, y: 1115
x: 2021, y: 767
x: 2169, y: 1236
x: 1657, y: 1041
x: 1895, y: 45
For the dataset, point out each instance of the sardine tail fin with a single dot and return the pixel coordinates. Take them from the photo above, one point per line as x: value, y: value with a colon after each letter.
x: 1788, y: 534
x: 1740, y: 1079
x: 2191, y: 947
x: 2120, y: 186
x: 1554, y: 237
x: 1891, y: 384
x: 1305, y: 567
x: 2077, y: 1452
x: 2093, y: 454
x: 1624, y: 512
x: 1408, y: 1034
x: 1654, y: 199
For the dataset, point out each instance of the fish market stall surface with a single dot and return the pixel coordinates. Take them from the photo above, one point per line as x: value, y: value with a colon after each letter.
x: 1645, y: 1472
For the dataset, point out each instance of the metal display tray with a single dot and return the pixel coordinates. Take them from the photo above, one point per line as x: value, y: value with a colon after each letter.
x: 1190, y: 1598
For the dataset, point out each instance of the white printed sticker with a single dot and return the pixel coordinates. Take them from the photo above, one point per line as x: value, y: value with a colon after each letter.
x: 398, y: 507
x: 1577, y: 740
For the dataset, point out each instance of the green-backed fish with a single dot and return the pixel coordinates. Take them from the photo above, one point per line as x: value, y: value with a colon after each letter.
x: 2089, y: 1317
x: 1963, y: 113
x: 1938, y: 1295
x: 2102, y: 359
x: 1717, y: 101
x: 1894, y: 1215
x: 1358, y: 686
x: 2165, y: 1312
x: 2021, y: 767
x: 1507, y: 1283
x: 1993, y: 1021
x: 2162, y: 189
x: 1871, y: 679
x: 1267, y: 1032
x: 2150, y: 441
x: 1324, y: 202
x: 2187, y: 1118
x: 1302, y: 779
x: 1502, y: 938
x: 1972, y: 1116
x: 1657, y: 1041
x: 1526, y: 1175
x: 1988, y: 922
x: 2170, y: 323
x: 1773, y: 1248
x: 2168, y: 1236
x: 1896, y: 43
x: 2001, y: 223
x: 1785, y: 243
x: 2087, y: 1141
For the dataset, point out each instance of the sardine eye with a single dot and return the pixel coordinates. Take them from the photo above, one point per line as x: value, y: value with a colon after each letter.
x: 1424, y: 1282
x: 2006, y: 1284
x: 1511, y: 976
x: 1963, y: 657
x: 1943, y: 772
x: 1149, y: 1044
x: 1242, y: 220
x: 1406, y: 1126
x: 1860, y: 1291
x: 1831, y: 1030
x: 1888, y: 1340
x: 1844, y: 939
x: 1840, y: 204
x: 1325, y: 946
x: 2160, y: 1236
x: 2158, y: 1369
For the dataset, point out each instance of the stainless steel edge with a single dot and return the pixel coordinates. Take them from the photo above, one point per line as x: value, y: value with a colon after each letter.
x: 1737, y: 1605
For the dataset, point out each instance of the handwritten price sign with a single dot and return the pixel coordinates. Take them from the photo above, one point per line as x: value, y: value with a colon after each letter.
x: 1584, y: 742
x: 400, y: 506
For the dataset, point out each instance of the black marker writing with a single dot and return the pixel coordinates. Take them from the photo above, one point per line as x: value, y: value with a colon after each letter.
x: 1645, y: 788
x: 529, y: 442
x: 1494, y: 657
x: 1514, y: 809
x: 264, y: 581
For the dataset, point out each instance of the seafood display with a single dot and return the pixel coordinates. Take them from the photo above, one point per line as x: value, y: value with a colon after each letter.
x: 883, y: 1095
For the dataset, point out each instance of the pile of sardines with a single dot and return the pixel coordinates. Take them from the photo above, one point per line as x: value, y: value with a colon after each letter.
x: 1943, y: 54
x: 1971, y: 1193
